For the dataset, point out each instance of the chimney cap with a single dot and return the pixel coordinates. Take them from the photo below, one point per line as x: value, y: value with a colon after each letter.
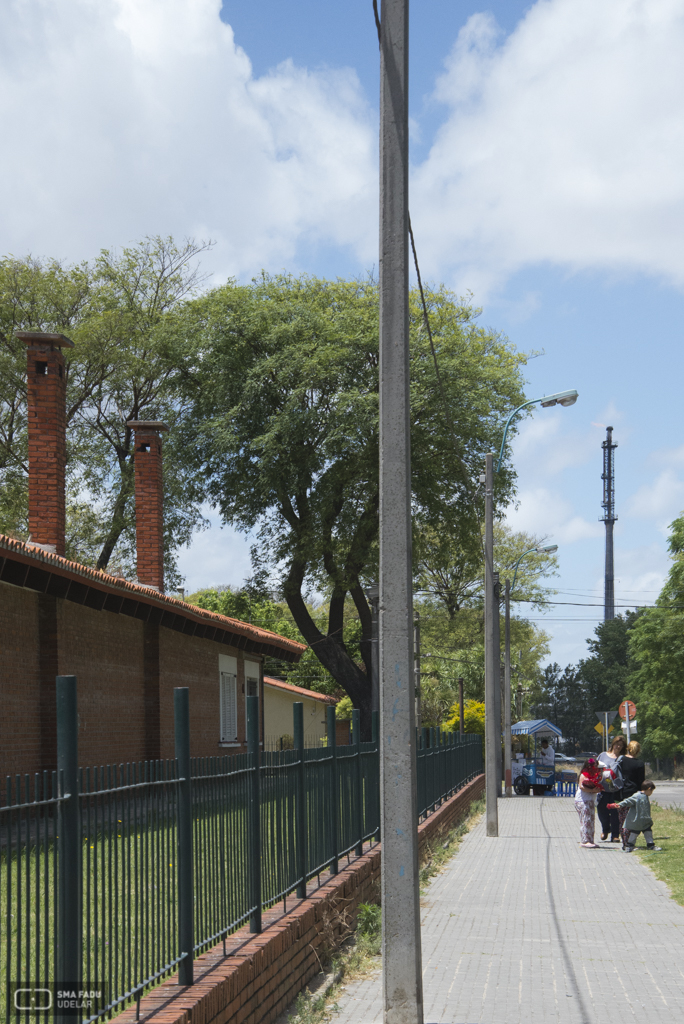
x: 146, y: 425
x: 60, y: 340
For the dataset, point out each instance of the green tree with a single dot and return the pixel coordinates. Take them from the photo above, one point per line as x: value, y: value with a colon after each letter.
x: 451, y: 611
x: 657, y: 648
x: 285, y: 385
x: 563, y: 700
x: 123, y: 367
x: 606, y: 675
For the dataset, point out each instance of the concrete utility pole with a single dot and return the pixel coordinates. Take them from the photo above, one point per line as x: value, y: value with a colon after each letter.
x: 491, y: 609
x: 401, y: 948
x: 499, y: 681
x: 507, y: 692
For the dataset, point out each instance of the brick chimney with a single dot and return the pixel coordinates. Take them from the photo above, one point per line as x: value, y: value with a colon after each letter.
x: 149, y: 502
x: 46, y: 437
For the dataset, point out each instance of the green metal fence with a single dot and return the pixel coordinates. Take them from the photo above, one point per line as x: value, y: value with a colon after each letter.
x: 122, y: 874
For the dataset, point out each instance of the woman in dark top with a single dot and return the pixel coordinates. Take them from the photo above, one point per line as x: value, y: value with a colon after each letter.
x: 633, y: 775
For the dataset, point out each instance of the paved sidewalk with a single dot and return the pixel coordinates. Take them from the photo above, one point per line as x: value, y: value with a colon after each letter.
x: 528, y: 928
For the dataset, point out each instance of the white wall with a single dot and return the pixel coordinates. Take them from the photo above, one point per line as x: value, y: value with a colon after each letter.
x: 278, y: 716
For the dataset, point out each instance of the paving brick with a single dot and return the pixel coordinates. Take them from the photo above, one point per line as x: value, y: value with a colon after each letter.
x: 529, y: 928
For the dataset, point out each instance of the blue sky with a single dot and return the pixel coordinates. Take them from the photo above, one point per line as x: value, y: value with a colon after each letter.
x: 547, y: 150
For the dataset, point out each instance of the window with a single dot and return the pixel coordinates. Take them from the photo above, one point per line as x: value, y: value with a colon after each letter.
x: 228, y: 699
x: 228, y: 707
x: 252, y: 675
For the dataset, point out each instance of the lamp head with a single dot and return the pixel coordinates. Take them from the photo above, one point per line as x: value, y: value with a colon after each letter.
x: 546, y: 549
x: 564, y: 398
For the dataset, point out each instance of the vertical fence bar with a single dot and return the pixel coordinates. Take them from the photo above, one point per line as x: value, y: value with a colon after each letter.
x: 335, y: 787
x: 358, y: 781
x: 375, y: 736
x: 255, y: 811
x: 186, y: 942
x: 69, y: 933
x: 298, y: 733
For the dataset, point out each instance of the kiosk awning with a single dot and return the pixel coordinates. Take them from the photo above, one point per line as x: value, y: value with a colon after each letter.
x: 536, y: 727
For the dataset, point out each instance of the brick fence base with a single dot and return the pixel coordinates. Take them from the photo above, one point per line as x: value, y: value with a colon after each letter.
x: 263, y: 974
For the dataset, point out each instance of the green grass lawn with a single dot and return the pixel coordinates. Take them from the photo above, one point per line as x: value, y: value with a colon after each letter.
x: 668, y: 832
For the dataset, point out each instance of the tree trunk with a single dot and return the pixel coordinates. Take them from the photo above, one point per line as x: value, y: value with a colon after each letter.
x: 118, y: 521
x: 331, y: 653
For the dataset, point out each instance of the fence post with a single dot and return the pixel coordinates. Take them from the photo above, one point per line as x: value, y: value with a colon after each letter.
x: 186, y: 937
x: 69, y: 936
x: 300, y: 819
x: 255, y: 811
x: 375, y: 737
x: 335, y: 787
x: 358, y: 780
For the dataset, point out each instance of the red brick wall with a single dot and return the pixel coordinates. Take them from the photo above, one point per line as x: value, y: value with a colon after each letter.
x: 105, y: 653
x: 266, y: 972
x: 46, y: 443
x: 126, y: 673
x: 20, y: 725
x: 189, y: 661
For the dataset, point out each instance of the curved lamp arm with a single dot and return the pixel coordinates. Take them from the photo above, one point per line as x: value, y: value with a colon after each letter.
x: 546, y: 549
x: 564, y: 398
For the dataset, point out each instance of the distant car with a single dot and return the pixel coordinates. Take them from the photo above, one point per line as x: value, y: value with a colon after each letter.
x: 564, y: 759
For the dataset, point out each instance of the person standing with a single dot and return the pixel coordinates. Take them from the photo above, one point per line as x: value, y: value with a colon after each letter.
x: 588, y: 788
x: 609, y: 818
x: 633, y: 776
x: 547, y: 755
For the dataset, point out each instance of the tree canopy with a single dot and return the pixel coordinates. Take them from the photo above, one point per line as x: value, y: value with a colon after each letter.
x: 283, y: 380
x: 656, y: 647
x: 450, y: 585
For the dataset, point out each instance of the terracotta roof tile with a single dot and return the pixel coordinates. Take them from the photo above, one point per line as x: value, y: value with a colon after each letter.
x: 33, y: 555
x: 324, y: 697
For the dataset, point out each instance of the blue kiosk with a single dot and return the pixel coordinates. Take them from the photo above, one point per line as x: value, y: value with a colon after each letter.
x: 535, y: 776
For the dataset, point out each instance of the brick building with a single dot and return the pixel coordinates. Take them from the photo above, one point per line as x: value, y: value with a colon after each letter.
x: 129, y: 644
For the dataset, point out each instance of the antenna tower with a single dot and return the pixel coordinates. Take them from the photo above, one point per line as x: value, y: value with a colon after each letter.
x: 609, y: 518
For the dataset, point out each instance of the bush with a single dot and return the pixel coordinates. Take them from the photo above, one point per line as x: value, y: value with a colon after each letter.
x: 369, y: 919
x: 473, y: 717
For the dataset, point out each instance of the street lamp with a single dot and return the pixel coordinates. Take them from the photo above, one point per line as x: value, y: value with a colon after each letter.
x: 492, y: 671
x: 540, y: 549
x: 564, y: 398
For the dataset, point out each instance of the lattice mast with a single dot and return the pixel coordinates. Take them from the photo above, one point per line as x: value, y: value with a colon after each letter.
x: 609, y: 518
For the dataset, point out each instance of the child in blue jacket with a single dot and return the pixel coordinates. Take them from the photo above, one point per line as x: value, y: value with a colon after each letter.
x: 638, y: 818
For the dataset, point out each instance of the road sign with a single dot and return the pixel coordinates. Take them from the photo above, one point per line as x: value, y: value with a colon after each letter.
x: 599, y: 728
x: 632, y: 709
x: 601, y: 715
x: 632, y: 725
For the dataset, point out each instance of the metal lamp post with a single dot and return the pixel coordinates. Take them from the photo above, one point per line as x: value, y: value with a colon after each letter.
x: 540, y: 549
x: 491, y: 608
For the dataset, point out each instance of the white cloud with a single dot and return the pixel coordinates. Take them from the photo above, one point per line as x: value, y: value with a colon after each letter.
x: 122, y: 118
x: 640, y: 573
x: 564, y: 143
x: 661, y: 499
x: 218, y: 556
x: 545, y: 513
x: 547, y: 444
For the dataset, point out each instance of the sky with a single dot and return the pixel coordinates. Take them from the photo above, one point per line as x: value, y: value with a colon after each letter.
x: 547, y: 150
